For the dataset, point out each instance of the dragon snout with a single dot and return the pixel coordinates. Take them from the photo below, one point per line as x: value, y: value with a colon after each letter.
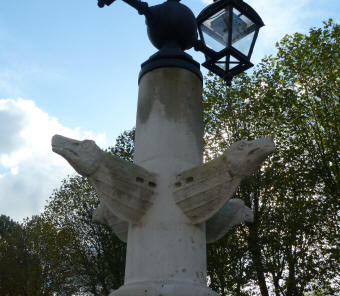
x: 56, y: 143
x: 65, y: 147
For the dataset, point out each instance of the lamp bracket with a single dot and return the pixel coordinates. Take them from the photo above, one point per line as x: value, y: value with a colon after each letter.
x: 141, y: 6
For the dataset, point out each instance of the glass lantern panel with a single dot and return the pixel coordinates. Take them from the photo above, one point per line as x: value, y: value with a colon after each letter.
x: 216, y: 30
x: 233, y: 62
x: 243, y: 32
x: 223, y: 64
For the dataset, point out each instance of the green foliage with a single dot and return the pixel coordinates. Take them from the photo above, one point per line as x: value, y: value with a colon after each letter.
x: 45, y: 244
x: 125, y: 146
x: 13, y: 255
x: 295, y: 97
x: 20, y: 269
x: 90, y: 255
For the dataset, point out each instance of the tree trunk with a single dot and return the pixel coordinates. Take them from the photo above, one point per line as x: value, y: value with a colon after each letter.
x: 276, y: 284
x: 256, y: 257
x: 238, y: 289
x: 292, y: 289
x: 253, y: 243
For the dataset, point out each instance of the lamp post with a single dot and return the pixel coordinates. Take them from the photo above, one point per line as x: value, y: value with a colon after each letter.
x: 167, y: 205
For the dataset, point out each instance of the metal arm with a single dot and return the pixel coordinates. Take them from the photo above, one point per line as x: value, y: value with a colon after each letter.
x: 102, y: 3
x: 140, y: 6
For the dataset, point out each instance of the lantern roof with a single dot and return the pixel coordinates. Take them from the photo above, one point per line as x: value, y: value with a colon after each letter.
x: 243, y: 7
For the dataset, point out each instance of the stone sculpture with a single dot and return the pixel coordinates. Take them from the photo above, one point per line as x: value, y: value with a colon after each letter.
x: 233, y: 213
x: 202, y: 193
x: 125, y: 189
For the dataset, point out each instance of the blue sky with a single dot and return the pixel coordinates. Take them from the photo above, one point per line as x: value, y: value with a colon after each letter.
x: 70, y: 67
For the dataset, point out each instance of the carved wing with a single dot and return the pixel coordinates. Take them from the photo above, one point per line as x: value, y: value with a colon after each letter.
x: 124, y: 188
x: 200, y: 192
x: 233, y: 213
x: 103, y: 216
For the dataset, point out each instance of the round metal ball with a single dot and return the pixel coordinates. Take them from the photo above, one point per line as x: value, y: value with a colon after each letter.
x: 172, y: 24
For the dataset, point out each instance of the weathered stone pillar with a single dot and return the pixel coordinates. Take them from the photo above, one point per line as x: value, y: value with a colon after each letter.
x: 166, y: 253
x: 161, y: 204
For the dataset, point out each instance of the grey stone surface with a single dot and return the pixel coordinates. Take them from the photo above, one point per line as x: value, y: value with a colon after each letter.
x: 124, y: 188
x: 102, y: 215
x: 166, y: 253
x: 202, y: 191
x: 84, y: 156
x: 233, y: 213
x: 169, y: 119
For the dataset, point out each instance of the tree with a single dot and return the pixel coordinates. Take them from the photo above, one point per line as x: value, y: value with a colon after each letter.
x: 9, y: 231
x: 19, y: 269
x: 90, y: 254
x: 49, y: 247
x: 294, y: 96
x: 125, y: 145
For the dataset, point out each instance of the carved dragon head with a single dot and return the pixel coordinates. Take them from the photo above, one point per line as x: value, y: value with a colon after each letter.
x: 243, y: 157
x: 83, y: 156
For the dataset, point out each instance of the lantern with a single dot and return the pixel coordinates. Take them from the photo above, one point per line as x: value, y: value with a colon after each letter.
x: 228, y: 30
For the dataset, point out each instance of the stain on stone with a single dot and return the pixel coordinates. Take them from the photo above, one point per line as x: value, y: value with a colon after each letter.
x: 152, y: 184
x: 231, y: 174
x: 184, y: 269
x: 189, y: 179
x: 139, y: 180
x: 178, y: 103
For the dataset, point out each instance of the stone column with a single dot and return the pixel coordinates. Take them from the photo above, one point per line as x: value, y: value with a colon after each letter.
x: 166, y: 253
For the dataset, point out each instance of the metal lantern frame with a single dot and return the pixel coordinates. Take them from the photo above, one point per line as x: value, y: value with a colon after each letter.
x: 172, y: 29
x: 213, y: 57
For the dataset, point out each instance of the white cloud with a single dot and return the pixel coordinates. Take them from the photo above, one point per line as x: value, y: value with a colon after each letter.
x: 29, y: 170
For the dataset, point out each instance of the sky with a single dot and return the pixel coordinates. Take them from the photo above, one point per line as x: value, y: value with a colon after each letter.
x: 71, y: 68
